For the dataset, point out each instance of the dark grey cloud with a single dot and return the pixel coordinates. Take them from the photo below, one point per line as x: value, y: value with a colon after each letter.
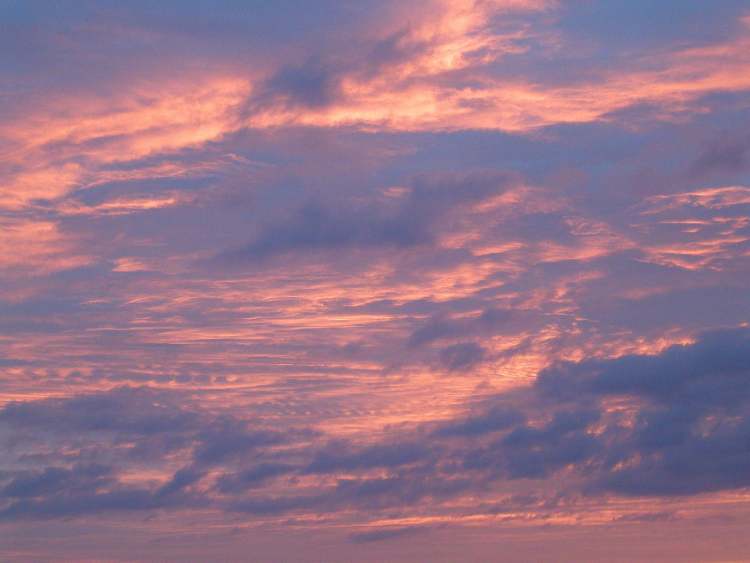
x: 727, y: 153
x: 689, y: 430
x: 129, y: 410
x: 322, y: 225
x: 182, y: 479
x: 124, y: 428
x: 493, y: 419
x: 253, y: 477
x: 318, y: 227
x: 340, y: 456
x: 529, y: 452
x: 462, y: 356
x: 311, y: 84
x: 87, y: 503
x: 228, y: 438
x: 491, y: 321
x: 79, y: 478
x: 82, y: 489
x: 693, y: 420
x: 714, y: 371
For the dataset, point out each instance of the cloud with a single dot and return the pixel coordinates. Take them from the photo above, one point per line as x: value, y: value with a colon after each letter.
x: 461, y: 357
x: 472, y: 72
x: 683, y: 435
x: 181, y: 480
x: 688, y: 430
x: 86, y: 503
x: 78, y: 479
x: 727, y: 153
x: 84, y: 489
x: 130, y: 410
x: 369, y: 267
x: 528, y: 452
x: 493, y: 419
x: 340, y: 457
x: 490, y: 321
x: 711, y: 371
x: 311, y: 84
x: 411, y: 222
x: 253, y: 477
x: 648, y: 517
x: 387, y: 534
x: 227, y: 438
x: 131, y: 429
x: 314, y: 227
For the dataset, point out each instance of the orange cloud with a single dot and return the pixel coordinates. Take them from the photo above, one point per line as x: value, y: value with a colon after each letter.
x: 102, y: 131
x: 412, y: 96
x: 35, y: 247
x: 700, y: 243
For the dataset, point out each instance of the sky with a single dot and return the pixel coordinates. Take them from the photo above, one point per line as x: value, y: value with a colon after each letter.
x: 435, y: 280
